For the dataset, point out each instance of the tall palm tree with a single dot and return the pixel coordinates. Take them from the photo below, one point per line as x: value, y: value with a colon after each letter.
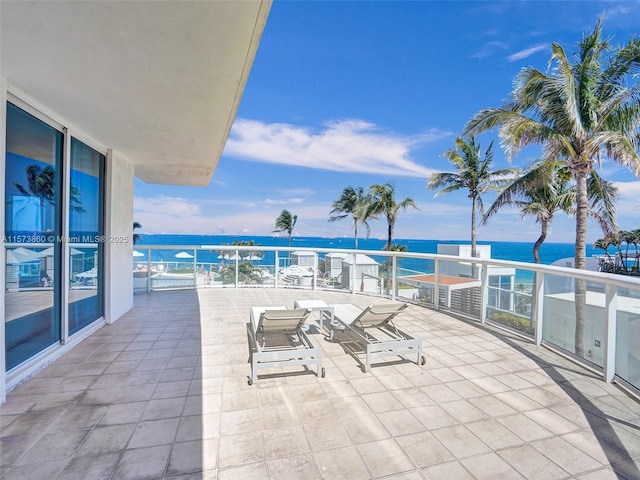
x: 350, y: 203
x: 580, y: 110
x: 544, y: 190
x: 381, y: 201
x: 285, y: 223
x: 473, y: 173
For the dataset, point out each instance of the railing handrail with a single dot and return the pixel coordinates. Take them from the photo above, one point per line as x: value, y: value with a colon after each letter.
x: 615, y: 279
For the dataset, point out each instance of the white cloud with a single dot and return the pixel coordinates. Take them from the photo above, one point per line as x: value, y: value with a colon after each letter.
x: 342, y: 146
x: 527, y: 52
x: 488, y: 49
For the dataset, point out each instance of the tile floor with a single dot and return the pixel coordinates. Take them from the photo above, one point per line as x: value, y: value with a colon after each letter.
x: 163, y: 393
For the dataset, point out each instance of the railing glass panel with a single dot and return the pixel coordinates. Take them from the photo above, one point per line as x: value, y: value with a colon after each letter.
x: 628, y: 335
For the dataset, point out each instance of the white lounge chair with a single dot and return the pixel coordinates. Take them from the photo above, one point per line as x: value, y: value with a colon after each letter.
x: 279, y: 340
x: 373, y: 330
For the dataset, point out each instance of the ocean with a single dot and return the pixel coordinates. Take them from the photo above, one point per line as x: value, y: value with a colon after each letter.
x: 515, y: 251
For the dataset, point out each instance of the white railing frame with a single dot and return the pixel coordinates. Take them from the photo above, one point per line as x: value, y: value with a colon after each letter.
x: 611, y: 281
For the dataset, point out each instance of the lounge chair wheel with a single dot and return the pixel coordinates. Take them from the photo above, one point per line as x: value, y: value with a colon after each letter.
x: 249, y: 382
x: 323, y: 372
x: 423, y: 361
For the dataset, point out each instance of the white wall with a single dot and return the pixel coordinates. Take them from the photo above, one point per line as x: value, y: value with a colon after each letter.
x: 119, y: 224
x: 3, y: 133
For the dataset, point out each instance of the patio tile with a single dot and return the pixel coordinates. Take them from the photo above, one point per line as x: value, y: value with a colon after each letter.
x: 327, y: 436
x: 54, y: 446
x: 451, y: 470
x: 365, y: 428
x: 154, y: 432
x: 254, y: 471
x: 532, y: 464
x: 241, y: 449
x: 284, y: 442
x: 490, y: 465
x: 460, y: 441
x: 384, y: 457
x: 424, y: 449
x: 566, y: 455
x: 195, y: 418
x: 344, y: 462
x: 299, y: 467
x: 143, y: 463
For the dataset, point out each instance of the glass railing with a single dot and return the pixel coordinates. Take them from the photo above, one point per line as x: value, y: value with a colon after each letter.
x: 537, y: 301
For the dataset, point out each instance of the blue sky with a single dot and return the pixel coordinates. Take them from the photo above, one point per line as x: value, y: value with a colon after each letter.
x: 358, y: 93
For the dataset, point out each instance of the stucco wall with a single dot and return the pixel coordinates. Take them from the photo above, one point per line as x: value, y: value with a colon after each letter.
x: 119, y: 224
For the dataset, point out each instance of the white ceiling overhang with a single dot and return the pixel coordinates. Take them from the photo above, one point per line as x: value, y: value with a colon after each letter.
x: 158, y: 81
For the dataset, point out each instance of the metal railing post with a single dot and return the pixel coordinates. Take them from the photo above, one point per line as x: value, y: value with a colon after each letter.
x: 353, y: 274
x: 436, y: 284
x: 277, y: 265
x: 237, y: 257
x: 537, y: 308
x: 315, y: 271
x: 148, y: 270
x: 611, y: 313
x: 195, y: 270
x: 484, y: 292
x: 394, y: 263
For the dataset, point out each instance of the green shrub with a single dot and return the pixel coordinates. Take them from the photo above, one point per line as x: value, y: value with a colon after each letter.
x: 514, y: 321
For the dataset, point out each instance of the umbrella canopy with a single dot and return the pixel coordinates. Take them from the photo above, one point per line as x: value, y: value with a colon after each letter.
x: 136, y: 253
x: 183, y: 255
x: 252, y: 257
x: 48, y: 252
x: 93, y: 273
x: 21, y: 255
x: 228, y: 256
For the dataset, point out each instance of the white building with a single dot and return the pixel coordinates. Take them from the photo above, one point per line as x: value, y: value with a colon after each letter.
x: 92, y: 94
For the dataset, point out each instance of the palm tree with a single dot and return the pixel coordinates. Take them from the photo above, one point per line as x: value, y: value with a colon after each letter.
x: 381, y: 201
x: 473, y: 173
x: 136, y: 237
x: 285, y: 223
x: 544, y: 189
x: 577, y: 112
x: 350, y: 203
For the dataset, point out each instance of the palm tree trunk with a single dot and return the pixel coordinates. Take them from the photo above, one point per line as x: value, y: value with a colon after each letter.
x: 389, y: 235
x: 355, y: 235
x: 582, y: 213
x: 473, y: 237
x: 543, y: 235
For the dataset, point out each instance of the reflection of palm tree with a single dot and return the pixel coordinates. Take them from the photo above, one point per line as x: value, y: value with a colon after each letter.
x: 41, y: 184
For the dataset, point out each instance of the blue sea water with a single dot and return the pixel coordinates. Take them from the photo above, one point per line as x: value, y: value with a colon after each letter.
x: 515, y: 251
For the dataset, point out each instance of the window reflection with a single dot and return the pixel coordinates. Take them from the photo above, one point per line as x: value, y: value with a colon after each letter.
x: 32, y: 230
x: 85, y: 235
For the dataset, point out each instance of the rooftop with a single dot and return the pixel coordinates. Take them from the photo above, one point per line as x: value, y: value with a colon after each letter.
x: 163, y: 393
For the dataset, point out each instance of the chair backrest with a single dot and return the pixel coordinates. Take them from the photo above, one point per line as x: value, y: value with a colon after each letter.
x: 378, y: 315
x: 282, y: 320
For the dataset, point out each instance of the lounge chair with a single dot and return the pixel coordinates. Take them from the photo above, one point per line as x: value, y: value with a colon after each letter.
x: 278, y: 340
x: 373, y: 330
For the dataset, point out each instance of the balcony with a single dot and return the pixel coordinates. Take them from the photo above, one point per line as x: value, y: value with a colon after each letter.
x: 163, y: 393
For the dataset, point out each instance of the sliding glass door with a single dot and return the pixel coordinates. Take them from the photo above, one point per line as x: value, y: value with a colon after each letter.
x: 53, y: 211
x: 32, y: 229
x: 86, y: 236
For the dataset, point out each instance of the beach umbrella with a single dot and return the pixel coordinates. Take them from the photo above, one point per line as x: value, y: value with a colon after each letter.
x: 93, y: 273
x: 136, y: 253
x: 183, y: 255
x: 252, y: 257
x: 21, y: 255
x: 48, y: 252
